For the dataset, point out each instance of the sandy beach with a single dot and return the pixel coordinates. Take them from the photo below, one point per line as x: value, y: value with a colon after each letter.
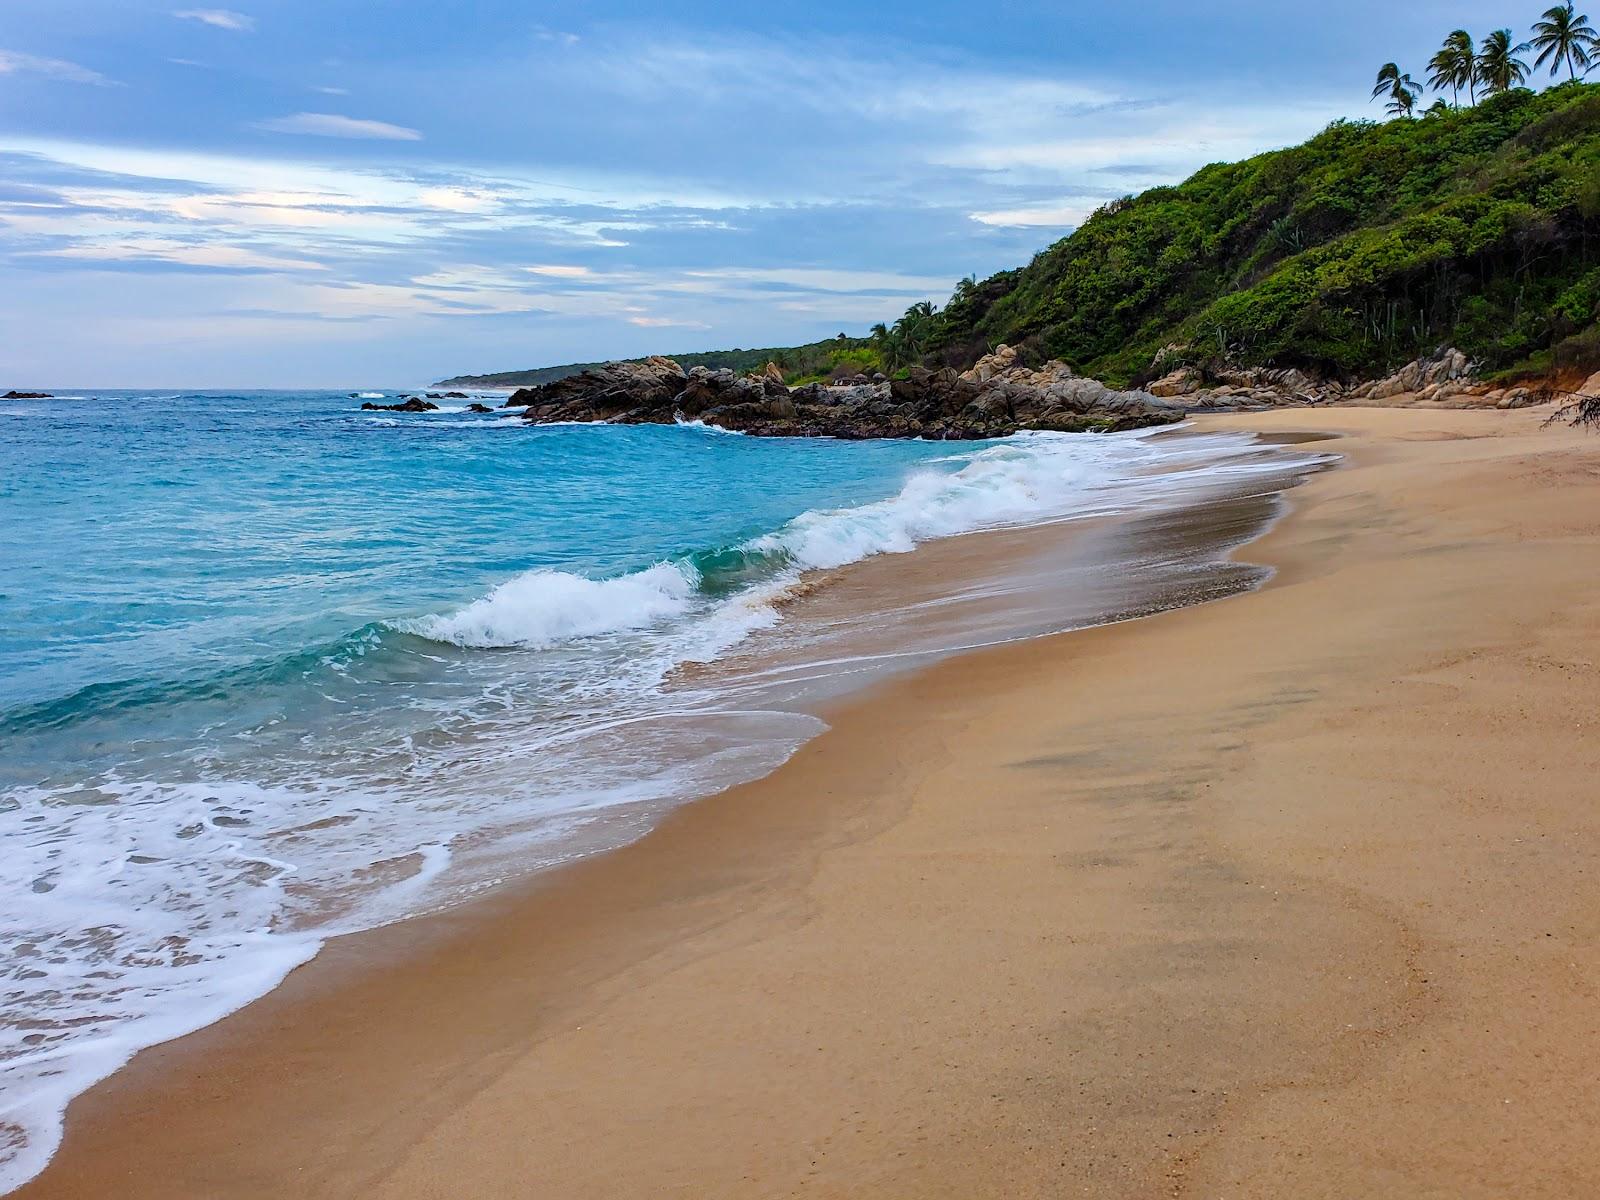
x: 1292, y: 894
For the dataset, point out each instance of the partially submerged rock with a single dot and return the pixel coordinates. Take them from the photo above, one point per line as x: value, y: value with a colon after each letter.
x: 27, y: 396
x: 411, y: 404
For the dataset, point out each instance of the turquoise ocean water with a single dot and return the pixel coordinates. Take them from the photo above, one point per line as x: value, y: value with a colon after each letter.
x: 273, y: 668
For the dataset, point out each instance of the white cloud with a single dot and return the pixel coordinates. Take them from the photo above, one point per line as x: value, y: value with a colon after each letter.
x: 546, y: 34
x: 182, y: 254
x: 219, y: 18
x: 331, y: 125
x: 1058, y: 217
x: 458, y: 199
x: 666, y: 323
x: 558, y: 272
x: 332, y: 91
x: 12, y: 63
x: 820, y: 279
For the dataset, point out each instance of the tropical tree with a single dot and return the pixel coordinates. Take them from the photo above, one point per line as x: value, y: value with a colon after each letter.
x: 904, y: 343
x: 1498, y: 68
x: 1402, y: 91
x: 1564, y: 36
x: 1455, y: 66
x: 1387, y: 75
x: 1403, y: 99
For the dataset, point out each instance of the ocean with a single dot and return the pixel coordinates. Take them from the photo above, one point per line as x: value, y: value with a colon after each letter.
x: 274, y: 669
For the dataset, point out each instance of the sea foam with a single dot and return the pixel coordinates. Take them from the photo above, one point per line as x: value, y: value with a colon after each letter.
x: 1029, y: 478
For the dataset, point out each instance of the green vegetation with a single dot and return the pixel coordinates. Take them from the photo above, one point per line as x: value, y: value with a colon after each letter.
x: 1564, y: 37
x: 832, y: 358
x: 1475, y: 225
x: 1351, y: 254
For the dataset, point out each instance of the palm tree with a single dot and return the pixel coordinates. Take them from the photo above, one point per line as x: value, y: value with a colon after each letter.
x: 1565, y: 37
x: 1454, y: 66
x: 1498, y: 67
x: 1403, y: 93
x: 1387, y: 75
x: 1466, y: 60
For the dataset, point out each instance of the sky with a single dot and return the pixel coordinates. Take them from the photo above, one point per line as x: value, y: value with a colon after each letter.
x: 343, y: 193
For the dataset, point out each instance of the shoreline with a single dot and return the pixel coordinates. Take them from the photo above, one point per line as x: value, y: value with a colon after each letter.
x: 607, y: 1031
x: 844, y: 625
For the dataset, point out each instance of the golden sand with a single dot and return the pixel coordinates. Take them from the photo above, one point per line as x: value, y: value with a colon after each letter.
x: 1292, y: 895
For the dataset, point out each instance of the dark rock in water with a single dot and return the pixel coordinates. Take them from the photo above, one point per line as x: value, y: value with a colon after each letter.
x: 991, y: 402
x: 435, y: 395
x: 475, y: 407
x: 455, y: 395
x: 27, y: 396
x: 411, y: 404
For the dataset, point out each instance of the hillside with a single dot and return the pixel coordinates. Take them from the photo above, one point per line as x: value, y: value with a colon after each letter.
x: 813, y: 360
x: 1352, y: 253
x: 1369, y: 245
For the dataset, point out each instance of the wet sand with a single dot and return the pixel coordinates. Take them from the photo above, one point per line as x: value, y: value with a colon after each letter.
x: 1296, y: 894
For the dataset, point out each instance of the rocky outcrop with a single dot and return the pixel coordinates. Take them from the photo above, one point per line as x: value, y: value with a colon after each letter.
x: 411, y: 404
x: 1445, y: 373
x: 1445, y: 379
x: 27, y: 396
x: 997, y: 397
x: 476, y: 407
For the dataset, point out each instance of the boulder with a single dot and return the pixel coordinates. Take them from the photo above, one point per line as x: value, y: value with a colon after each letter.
x: 411, y: 404
x: 27, y: 396
x: 1182, y: 382
x: 475, y: 407
x: 638, y: 392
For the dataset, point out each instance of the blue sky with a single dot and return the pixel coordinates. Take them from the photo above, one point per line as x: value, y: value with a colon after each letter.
x: 286, y: 193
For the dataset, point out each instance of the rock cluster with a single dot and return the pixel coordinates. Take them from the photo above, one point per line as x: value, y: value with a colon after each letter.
x: 1446, y: 379
x: 995, y: 398
x: 411, y: 404
x: 27, y: 396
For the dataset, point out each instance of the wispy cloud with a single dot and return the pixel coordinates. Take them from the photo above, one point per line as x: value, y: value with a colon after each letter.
x: 219, y: 18
x: 1051, y: 217
x: 184, y: 254
x: 12, y: 63
x: 332, y: 125
x: 666, y: 323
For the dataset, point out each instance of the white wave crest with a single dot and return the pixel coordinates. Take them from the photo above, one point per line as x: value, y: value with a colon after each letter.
x: 1022, y: 480
x: 539, y: 608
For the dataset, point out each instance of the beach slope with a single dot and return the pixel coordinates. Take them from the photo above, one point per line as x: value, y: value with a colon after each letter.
x: 1294, y: 894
